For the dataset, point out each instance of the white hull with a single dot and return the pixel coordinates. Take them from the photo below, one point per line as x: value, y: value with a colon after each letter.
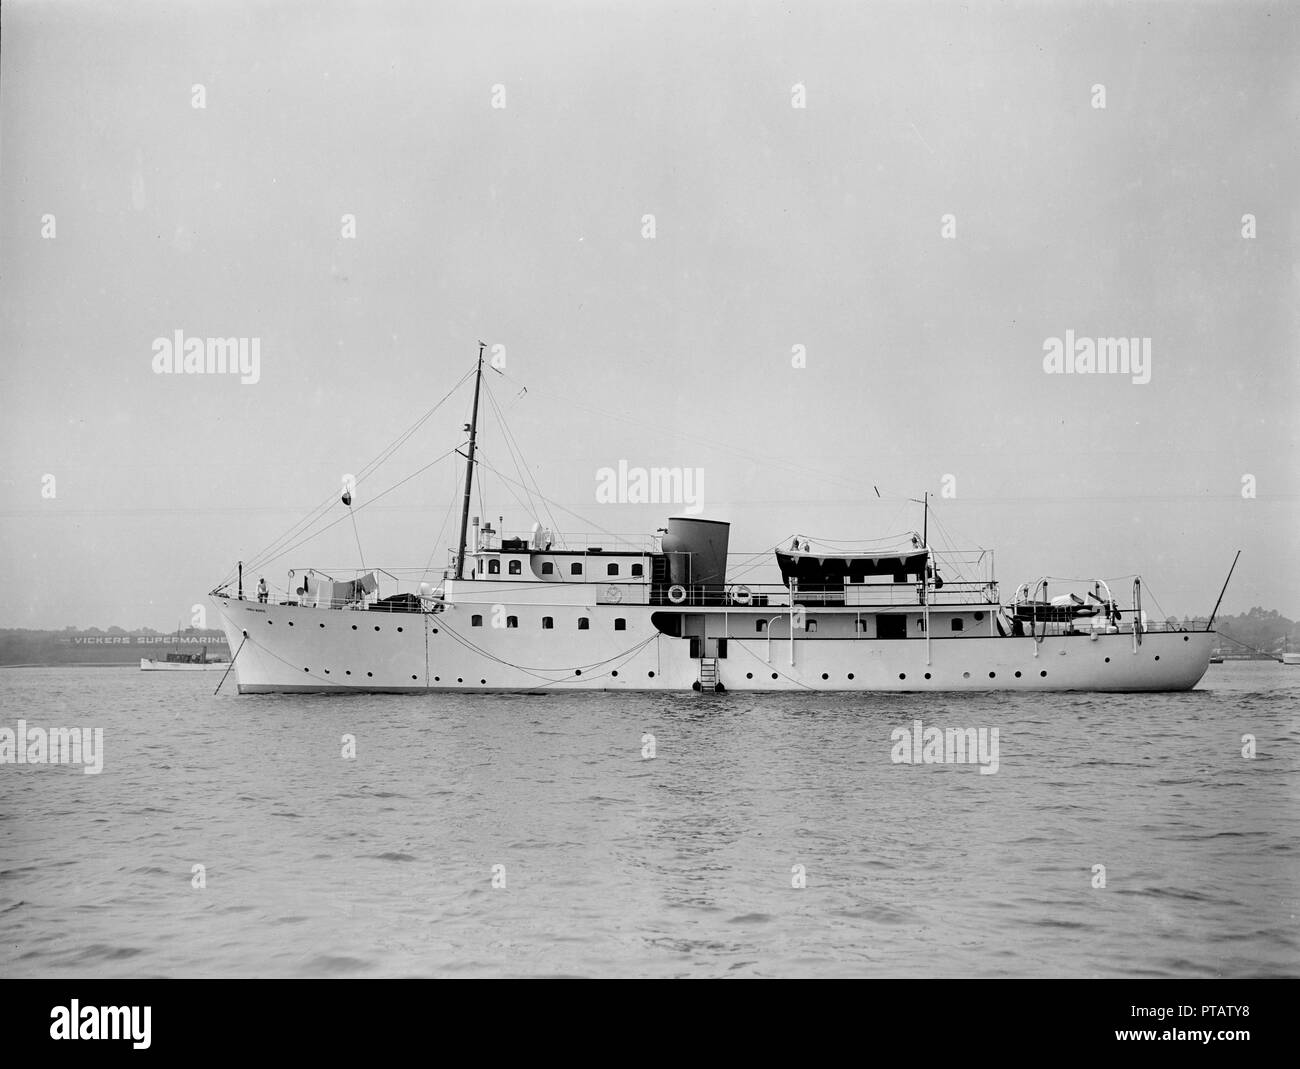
x: 1291, y: 658
x: 148, y: 665
x: 304, y: 649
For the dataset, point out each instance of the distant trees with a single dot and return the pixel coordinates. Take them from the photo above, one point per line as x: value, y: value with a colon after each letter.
x: 1260, y: 628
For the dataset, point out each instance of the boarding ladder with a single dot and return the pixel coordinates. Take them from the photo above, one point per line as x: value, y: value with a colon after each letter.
x: 708, y: 673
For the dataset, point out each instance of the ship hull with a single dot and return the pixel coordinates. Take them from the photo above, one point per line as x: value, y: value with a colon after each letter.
x: 297, y: 649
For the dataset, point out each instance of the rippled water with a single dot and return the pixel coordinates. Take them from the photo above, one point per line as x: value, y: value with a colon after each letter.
x: 679, y: 865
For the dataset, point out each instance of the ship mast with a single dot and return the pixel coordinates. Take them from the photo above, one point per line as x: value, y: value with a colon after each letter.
x: 469, y: 467
x: 925, y: 570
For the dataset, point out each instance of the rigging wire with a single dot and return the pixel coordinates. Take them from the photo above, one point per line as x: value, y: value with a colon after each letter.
x: 570, y: 512
x: 509, y: 489
x: 451, y: 504
x: 275, y: 549
x: 513, y: 445
x: 530, y: 508
x: 377, y: 497
x: 722, y: 447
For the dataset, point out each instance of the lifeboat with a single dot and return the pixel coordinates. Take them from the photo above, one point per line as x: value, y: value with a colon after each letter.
x: 808, y: 567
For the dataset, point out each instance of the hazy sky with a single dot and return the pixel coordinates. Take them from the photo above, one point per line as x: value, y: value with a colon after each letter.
x: 775, y: 226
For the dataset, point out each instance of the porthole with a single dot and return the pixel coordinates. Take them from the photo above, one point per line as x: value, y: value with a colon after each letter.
x: 614, y: 673
x: 825, y: 676
x: 354, y: 627
x: 965, y: 675
x: 993, y: 675
x: 306, y: 669
x: 269, y: 622
x: 1157, y: 656
x: 412, y: 677
x: 459, y: 679
x: 749, y: 675
x: 435, y: 630
x: 369, y: 674
x: 399, y: 630
x: 1108, y: 660
x: 376, y: 627
x: 651, y: 675
x: 291, y: 624
x: 1184, y: 638
x: 320, y: 625
x: 577, y: 671
x: 327, y: 671
x: 1043, y: 673
x: 773, y: 675
x: 483, y: 681
x: 902, y: 675
x: 348, y: 672
x: 850, y: 675
x: 436, y: 679
x: 1018, y: 674
x: 927, y: 675
x: 979, y: 616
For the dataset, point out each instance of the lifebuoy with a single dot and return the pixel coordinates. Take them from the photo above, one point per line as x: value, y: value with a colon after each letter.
x: 676, y: 594
x: 740, y: 595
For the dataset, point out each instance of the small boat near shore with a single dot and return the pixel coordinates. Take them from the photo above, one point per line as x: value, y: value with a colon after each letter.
x: 183, y: 662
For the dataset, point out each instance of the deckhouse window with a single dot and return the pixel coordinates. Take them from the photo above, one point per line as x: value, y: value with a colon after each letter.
x: 494, y: 567
x: 958, y: 624
x: 862, y: 626
x: 575, y: 568
x: 612, y: 569
x: 476, y: 620
x: 620, y: 624
x: 512, y: 621
x: 548, y: 568
x: 515, y: 567
x: 760, y: 625
x: 810, y: 625
x: 548, y: 623
x: 638, y: 570
x: 584, y: 624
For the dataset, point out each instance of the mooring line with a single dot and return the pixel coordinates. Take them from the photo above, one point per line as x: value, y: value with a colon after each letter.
x: 232, y: 665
